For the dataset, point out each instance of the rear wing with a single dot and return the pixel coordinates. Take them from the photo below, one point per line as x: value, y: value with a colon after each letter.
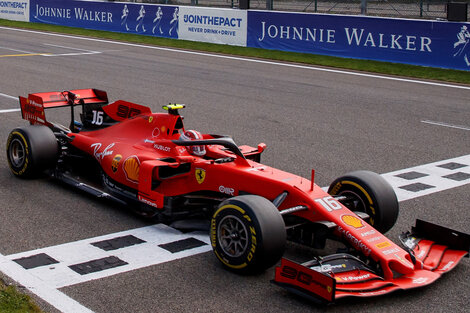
x: 32, y: 108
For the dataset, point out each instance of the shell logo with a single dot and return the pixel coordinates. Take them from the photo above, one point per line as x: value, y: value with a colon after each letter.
x: 131, y: 168
x: 115, y: 163
x: 383, y: 245
x: 352, y: 221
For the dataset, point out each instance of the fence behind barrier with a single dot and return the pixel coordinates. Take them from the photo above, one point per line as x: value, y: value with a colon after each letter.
x: 426, y: 9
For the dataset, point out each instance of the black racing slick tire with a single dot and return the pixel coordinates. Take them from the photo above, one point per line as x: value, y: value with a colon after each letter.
x: 248, y: 234
x: 368, y: 192
x: 31, y: 149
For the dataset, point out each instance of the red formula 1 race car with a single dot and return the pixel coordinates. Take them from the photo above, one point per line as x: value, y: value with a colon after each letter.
x: 151, y: 163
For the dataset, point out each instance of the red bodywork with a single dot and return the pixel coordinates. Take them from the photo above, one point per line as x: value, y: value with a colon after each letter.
x: 139, y: 149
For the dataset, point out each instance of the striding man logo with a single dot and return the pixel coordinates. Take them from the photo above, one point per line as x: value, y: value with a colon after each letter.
x: 462, y: 45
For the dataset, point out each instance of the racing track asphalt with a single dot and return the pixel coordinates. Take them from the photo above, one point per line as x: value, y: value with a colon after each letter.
x: 330, y: 121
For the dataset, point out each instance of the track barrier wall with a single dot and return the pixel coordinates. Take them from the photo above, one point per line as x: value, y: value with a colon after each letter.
x: 441, y: 44
x: 428, y: 43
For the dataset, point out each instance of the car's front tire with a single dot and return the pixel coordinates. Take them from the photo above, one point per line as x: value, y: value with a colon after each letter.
x: 248, y: 234
x: 368, y: 192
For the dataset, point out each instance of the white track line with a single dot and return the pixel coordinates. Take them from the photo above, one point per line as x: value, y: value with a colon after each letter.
x: 44, y: 281
x: 16, y: 50
x: 9, y: 110
x: 8, y: 96
x: 430, y: 178
x: 59, y: 275
x: 48, y: 293
x: 313, y: 68
x: 69, y: 54
x: 446, y: 125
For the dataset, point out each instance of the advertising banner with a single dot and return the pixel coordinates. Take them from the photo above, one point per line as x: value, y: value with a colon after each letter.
x: 152, y: 20
x: 15, y: 10
x: 428, y: 43
x: 222, y: 26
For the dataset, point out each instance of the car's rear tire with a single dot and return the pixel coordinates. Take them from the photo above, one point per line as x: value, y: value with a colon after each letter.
x: 368, y: 192
x: 31, y: 149
x: 248, y: 234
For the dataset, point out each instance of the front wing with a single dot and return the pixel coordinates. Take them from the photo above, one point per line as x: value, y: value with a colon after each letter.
x: 433, y: 249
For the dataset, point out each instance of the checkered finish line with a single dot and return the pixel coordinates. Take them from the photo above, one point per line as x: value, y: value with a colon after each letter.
x: 80, y: 261
x: 430, y: 178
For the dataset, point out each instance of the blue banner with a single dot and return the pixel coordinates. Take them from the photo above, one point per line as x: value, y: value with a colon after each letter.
x: 428, y: 43
x: 152, y: 20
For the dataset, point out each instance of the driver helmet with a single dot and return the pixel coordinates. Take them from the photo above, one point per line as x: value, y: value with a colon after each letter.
x: 194, y: 135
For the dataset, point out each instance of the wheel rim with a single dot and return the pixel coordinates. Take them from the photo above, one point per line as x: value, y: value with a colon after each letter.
x: 354, y: 202
x: 232, y: 236
x: 17, y: 153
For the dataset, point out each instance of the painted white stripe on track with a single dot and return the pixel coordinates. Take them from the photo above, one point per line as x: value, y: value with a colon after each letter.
x: 9, y: 110
x: 56, y: 298
x: 433, y: 178
x: 446, y: 125
x: 307, y: 67
x: 85, y: 52
x: 431, y: 175
x: 16, y: 50
x: 8, y: 96
x: 137, y: 256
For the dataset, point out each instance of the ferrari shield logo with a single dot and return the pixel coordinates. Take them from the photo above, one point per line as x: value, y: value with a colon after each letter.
x: 200, y: 175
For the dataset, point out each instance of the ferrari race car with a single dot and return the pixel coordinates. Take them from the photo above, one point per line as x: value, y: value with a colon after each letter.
x: 149, y: 162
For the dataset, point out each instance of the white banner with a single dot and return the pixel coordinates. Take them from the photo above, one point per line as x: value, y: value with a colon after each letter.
x: 222, y: 26
x: 16, y: 10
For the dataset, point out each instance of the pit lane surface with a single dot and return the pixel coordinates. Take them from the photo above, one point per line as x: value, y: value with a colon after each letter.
x: 331, y: 121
